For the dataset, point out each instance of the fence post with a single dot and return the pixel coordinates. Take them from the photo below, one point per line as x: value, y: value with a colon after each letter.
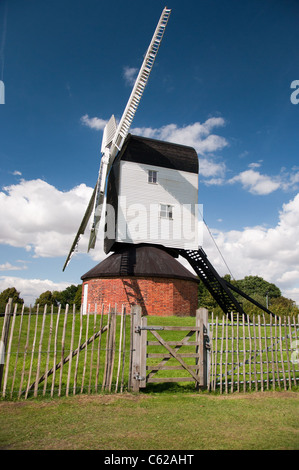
x: 202, y: 322
x: 135, y: 349
x: 4, y: 337
x: 143, y: 340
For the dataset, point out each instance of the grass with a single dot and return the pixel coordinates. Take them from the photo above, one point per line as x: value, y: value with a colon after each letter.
x: 153, y: 421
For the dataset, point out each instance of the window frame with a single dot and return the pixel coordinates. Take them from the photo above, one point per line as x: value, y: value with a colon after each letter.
x: 151, y: 176
x: 168, y: 211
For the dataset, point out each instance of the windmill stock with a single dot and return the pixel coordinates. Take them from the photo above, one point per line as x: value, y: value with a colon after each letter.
x: 114, y: 137
x: 178, y: 164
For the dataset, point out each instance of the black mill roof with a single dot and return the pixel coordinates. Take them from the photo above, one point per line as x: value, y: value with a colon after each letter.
x: 140, y: 261
x: 159, y: 153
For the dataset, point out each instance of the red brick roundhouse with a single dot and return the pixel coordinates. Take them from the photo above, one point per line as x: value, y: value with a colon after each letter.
x: 143, y: 275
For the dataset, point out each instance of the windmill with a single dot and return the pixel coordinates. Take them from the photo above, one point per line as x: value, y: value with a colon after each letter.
x: 132, y: 166
x: 114, y: 137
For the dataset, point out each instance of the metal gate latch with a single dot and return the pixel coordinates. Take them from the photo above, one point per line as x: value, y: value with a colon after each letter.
x: 138, y: 377
x: 138, y: 329
x: 207, y: 342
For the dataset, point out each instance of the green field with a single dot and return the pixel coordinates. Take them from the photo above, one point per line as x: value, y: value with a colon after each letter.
x: 153, y: 421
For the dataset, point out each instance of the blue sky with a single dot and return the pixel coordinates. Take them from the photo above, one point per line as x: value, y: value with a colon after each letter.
x: 221, y: 83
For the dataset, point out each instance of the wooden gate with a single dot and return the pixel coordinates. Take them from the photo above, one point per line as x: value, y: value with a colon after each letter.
x: 194, y: 363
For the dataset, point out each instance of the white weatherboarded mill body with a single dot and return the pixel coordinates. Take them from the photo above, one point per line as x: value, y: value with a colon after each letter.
x: 152, y: 195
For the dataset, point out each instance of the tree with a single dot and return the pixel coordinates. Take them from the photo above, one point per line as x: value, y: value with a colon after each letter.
x: 78, y: 296
x: 283, y: 306
x: 253, y: 285
x: 10, y: 293
x: 46, y: 298
x: 71, y: 295
x: 256, y: 288
x: 68, y: 296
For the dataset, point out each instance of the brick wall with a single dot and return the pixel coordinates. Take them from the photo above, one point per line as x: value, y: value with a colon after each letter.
x: 157, y: 296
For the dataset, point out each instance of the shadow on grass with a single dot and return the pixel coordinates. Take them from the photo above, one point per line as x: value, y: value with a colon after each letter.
x: 171, y: 387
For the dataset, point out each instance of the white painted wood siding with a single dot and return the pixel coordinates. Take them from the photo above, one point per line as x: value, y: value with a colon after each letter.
x: 139, y: 202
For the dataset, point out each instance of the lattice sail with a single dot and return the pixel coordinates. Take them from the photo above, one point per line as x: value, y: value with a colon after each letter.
x: 140, y: 84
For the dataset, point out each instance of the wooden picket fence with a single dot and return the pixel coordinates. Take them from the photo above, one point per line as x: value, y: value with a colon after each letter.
x: 253, y: 354
x: 43, y: 353
x: 64, y: 353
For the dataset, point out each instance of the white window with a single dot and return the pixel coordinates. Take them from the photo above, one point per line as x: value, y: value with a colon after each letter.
x: 152, y: 176
x: 166, y: 211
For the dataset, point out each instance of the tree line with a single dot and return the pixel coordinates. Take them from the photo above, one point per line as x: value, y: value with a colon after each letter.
x: 267, y: 294
x: 71, y: 295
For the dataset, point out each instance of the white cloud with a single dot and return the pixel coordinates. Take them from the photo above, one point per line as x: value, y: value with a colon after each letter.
x: 292, y: 294
x: 195, y: 135
x: 256, y: 183
x: 130, y: 75
x: 254, y: 165
x: 294, y: 179
x: 272, y: 253
x: 289, y: 277
x: 93, y: 123
x: 40, y: 218
x: 213, y: 182
x: 9, y: 267
x: 244, y: 154
x: 44, y: 221
x: 208, y: 168
x: 30, y: 289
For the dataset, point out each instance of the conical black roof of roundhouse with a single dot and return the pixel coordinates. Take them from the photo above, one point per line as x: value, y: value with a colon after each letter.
x: 140, y: 261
